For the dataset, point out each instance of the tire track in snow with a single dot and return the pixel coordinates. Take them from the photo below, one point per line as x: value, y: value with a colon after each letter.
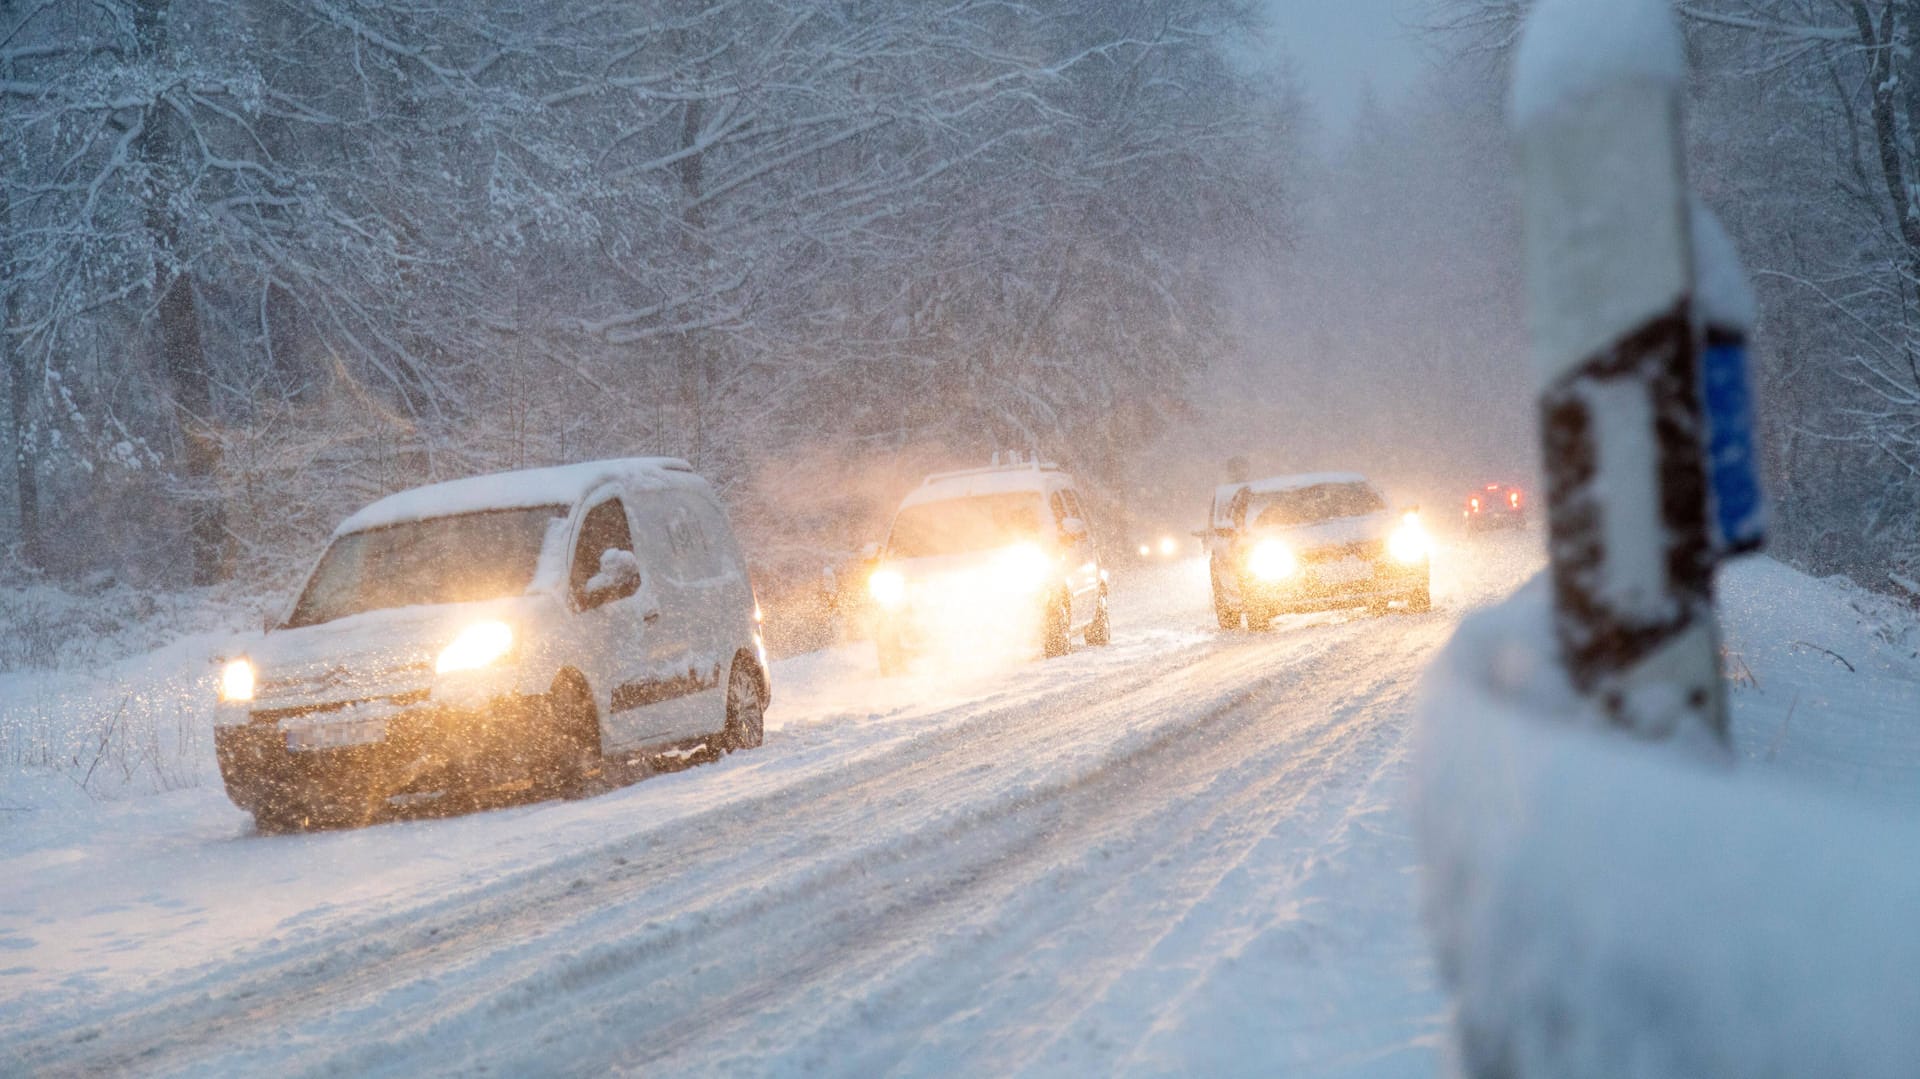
x: 272, y: 995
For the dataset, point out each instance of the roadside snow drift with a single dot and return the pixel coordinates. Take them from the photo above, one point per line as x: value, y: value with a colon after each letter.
x: 1604, y: 907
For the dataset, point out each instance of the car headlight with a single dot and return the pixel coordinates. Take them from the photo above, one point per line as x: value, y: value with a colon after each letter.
x: 888, y: 587
x: 1145, y: 550
x: 477, y: 646
x: 1169, y: 546
x: 236, y: 681
x: 1409, y: 543
x: 1271, y: 560
x: 1025, y: 568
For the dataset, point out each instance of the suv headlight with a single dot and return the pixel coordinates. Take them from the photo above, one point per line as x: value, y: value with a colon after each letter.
x: 1271, y: 560
x: 1025, y: 568
x: 477, y: 646
x: 1409, y: 543
x: 236, y: 681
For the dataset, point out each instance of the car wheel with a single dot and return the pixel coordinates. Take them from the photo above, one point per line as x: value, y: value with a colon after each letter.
x: 567, y: 757
x: 1227, y: 614
x: 1054, y: 640
x: 1422, y: 601
x: 1260, y: 617
x: 746, y: 710
x: 280, y: 819
x: 1100, y: 631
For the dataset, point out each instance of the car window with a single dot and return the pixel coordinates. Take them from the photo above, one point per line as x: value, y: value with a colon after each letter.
x: 603, y: 529
x: 454, y: 559
x: 964, y: 525
x: 1320, y: 502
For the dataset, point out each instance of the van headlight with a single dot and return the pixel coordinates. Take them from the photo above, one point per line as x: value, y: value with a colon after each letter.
x: 236, y: 681
x: 477, y: 646
x: 888, y: 587
x: 1409, y: 543
x: 1272, y: 560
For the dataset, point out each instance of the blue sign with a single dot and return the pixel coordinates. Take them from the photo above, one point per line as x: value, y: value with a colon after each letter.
x: 1739, y: 514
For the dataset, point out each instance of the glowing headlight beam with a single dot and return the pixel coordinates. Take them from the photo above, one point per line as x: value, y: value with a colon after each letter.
x: 1409, y: 543
x: 477, y: 646
x: 236, y: 681
x: 1169, y: 546
x: 888, y: 587
x: 1025, y: 568
x: 1272, y: 560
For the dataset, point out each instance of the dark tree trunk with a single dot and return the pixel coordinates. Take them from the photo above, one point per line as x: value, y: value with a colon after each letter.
x: 26, y: 476
x: 183, y: 355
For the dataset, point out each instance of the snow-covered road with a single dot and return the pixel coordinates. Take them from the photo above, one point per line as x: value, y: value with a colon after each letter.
x: 1186, y: 852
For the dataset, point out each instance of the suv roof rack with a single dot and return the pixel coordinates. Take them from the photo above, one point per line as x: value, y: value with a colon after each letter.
x: 1016, y: 463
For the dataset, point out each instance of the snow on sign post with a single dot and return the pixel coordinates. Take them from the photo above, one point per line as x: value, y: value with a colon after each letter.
x: 1596, y: 108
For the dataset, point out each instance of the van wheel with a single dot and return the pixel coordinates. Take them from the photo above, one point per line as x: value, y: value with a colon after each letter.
x: 746, y: 711
x: 1100, y: 630
x: 567, y: 751
x: 1054, y: 640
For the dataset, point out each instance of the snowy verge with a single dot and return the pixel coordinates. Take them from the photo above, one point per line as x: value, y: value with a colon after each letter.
x: 1603, y: 907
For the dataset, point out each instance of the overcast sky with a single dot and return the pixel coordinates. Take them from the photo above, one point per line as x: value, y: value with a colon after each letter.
x: 1341, y: 47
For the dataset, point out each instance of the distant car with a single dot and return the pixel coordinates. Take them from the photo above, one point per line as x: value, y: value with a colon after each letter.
x: 501, y: 630
x: 1160, y: 547
x: 1497, y: 505
x: 1312, y: 542
x: 1004, y: 552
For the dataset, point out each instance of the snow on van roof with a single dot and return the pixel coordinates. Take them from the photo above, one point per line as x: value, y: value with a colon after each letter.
x: 1010, y: 479
x: 559, y: 485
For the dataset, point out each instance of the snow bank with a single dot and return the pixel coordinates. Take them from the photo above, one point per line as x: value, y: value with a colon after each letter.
x: 1602, y: 907
x: 1571, y: 48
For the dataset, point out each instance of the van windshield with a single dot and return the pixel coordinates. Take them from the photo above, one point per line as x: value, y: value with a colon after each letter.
x: 1321, y: 502
x: 965, y: 525
x: 457, y: 559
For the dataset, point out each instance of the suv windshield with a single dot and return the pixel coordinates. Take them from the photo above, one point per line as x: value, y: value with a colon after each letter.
x: 471, y: 556
x: 964, y: 525
x: 1321, y: 502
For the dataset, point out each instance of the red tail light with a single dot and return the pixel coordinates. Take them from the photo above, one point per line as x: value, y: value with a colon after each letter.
x: 1474, y: 504
x: 1513, y: 499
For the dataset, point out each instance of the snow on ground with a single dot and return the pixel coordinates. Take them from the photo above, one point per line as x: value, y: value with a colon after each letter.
x: 1607, y: 907
x: 1187, y: 852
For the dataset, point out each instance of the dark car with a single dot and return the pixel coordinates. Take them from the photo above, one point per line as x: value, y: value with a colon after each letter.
x: 1495, y: 506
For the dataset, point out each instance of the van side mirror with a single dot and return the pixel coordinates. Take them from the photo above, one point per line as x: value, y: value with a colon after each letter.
x: 1073, y: 527
x: 619, y: 577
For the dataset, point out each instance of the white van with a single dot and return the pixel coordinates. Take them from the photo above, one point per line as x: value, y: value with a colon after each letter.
x: 498, y: 630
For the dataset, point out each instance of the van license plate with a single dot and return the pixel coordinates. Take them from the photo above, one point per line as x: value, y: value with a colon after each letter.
x: 335, y: 735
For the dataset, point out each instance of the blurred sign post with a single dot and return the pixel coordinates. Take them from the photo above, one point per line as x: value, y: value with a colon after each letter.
x: 1727, y: 311
x: 1610, y: 279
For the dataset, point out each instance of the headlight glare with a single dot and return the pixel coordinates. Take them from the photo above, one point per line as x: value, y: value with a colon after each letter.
x: 888, y: 587
x: 1409, y: 543
x: 236, y: 681
x: 1272, y: 560
x: 477, y: 646
x: 1026, y: 568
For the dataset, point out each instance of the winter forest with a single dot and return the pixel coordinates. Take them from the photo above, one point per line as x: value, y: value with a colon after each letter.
x: 264, y: 260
